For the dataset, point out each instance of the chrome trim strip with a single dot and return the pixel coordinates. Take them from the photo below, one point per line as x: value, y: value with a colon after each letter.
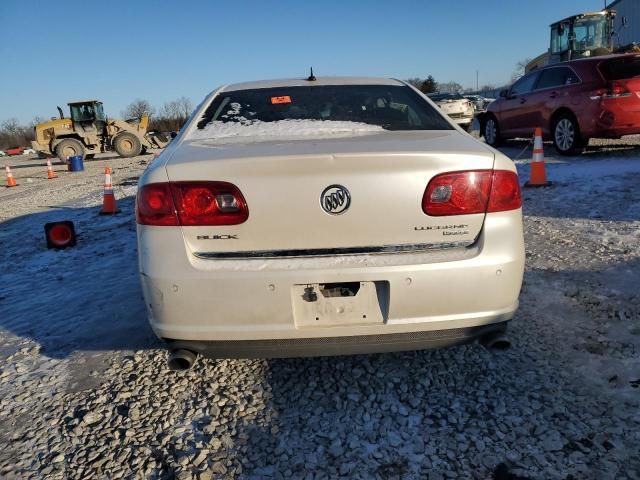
x: 330, y: 252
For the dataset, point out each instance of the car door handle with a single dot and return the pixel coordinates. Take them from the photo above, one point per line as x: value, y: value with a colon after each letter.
x: 553, y: 94
x: 522, y: 100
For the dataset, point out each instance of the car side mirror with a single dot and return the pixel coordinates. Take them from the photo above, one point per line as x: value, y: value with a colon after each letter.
x: 504, y: 93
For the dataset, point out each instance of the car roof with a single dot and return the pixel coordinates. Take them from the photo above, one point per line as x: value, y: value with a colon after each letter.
x: 598, y: 58
x: 319, y: 81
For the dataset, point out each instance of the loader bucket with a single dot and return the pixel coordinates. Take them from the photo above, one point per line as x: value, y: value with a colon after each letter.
x: 158, y: 140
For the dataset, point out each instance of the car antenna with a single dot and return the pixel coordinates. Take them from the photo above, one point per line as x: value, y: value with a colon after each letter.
x: 311, y: 78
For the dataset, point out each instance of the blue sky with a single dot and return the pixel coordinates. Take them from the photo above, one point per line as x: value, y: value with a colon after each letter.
x: 161, y: 50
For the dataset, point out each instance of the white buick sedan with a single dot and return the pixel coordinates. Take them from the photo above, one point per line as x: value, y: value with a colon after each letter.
x: 327, y: 216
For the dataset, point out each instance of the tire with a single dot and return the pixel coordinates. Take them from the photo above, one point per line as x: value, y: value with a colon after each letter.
x: 491, y: 131
x: 69, y: 147
x: 127, y: 145
x: 566, y: 135
x: 90, y: 156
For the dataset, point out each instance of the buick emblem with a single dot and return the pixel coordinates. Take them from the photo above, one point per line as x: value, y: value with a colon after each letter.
x: 335, y: 199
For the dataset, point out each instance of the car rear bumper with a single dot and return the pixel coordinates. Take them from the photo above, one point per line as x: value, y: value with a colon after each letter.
x: 459, y: 120
x: 344, y: 345
x: 615, y: 132
x: 239, y: 301
x: 612, y: 119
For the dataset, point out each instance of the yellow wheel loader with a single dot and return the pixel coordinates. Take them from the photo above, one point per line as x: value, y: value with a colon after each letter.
x: 584, y: 35
x: 88, y: 131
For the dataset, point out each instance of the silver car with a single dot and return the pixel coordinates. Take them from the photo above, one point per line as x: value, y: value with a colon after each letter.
x: 326, y: 216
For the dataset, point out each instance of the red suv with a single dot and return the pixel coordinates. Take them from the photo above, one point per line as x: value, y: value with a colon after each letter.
x: 572, y: 102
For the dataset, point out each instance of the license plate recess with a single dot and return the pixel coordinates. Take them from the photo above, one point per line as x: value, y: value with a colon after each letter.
x: 339, y: 304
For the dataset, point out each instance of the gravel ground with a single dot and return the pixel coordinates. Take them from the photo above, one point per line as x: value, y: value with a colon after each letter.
x: 88, y: 395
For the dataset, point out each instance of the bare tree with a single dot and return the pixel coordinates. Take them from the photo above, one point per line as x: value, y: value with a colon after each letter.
x: 416, y: 82
x: 170, y: 110
x: 172, y: 115
x: 11, y: 126
x: 520, y: 69
x: 185, y: 107
x: 12, y: 134
x: 36, y: 120
x: 450, y: 87
x: 137, y: 108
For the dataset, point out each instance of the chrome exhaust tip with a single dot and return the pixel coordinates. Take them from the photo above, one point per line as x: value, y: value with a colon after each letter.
x: 181, y: 360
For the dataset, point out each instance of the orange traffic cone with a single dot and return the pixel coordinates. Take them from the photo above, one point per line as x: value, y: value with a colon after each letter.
x: 537, y: 174
x: 11, y: 182
x: 50, y: 173
x: 109, y: 205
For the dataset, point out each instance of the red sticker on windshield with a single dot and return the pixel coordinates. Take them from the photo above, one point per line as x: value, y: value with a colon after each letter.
x: 276, y: 100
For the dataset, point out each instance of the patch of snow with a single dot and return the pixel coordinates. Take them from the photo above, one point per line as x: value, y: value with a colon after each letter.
x: 281, y: 129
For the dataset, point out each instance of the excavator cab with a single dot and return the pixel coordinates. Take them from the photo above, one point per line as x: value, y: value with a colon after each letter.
x: 584, y: 35
x: 89, y: 112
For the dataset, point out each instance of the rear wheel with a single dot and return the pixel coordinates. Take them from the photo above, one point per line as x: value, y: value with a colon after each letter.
x: 491, y: 131
x: 69, y: 147
x: 566, y: 135
x: 127, y: 145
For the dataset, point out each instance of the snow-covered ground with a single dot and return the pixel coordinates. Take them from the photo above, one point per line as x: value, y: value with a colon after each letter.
x: 85, y: 392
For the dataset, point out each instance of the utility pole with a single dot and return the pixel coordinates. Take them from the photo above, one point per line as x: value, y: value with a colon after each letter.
x: 477, y: 86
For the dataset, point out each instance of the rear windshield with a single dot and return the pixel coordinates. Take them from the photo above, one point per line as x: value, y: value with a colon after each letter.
x: 620, y: 68
x: 361, y: 107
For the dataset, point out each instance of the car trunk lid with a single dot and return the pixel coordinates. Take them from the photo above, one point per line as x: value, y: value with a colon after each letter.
x: 454, y: 106
x: 382, y: 177
x: 622, y: 75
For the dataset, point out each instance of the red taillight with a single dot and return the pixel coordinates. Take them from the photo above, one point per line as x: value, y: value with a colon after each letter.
x: 154, y: 205
x: 613, y: 90
x: 617, y: 90
x: 505, y: 192
x: 457, y: 193
x: 209, y: 203
x: 469, y: 192
x: 191, y: 204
